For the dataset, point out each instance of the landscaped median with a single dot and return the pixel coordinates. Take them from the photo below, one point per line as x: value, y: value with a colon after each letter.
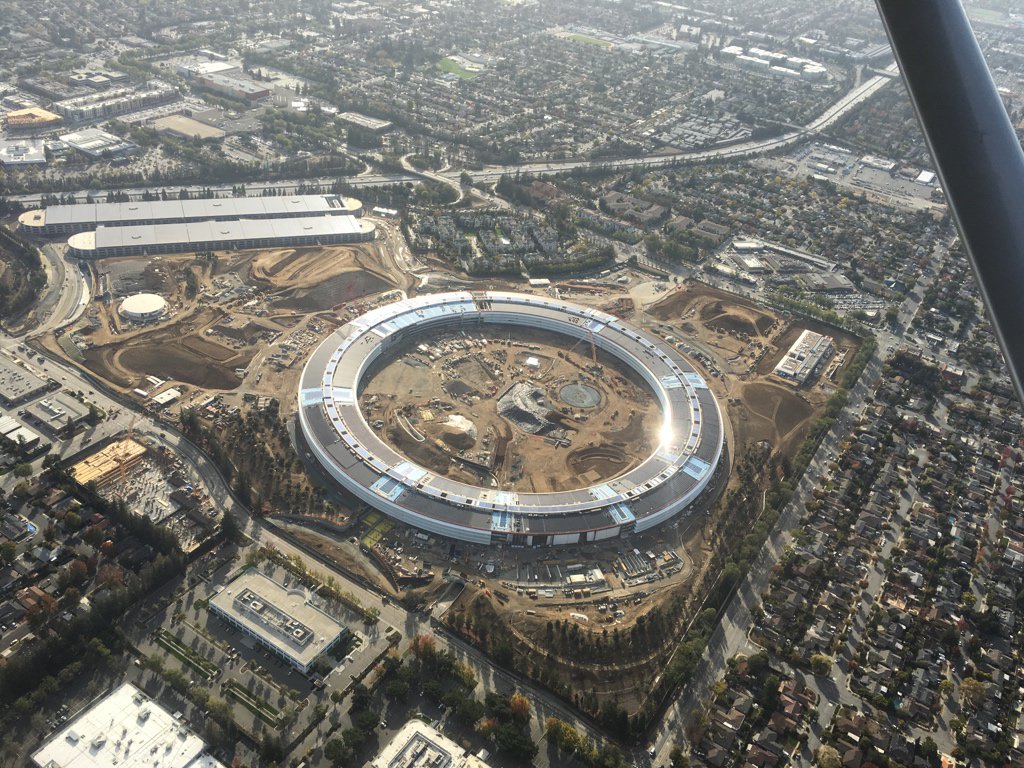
x: 186, y: 655
x: 260, y: 708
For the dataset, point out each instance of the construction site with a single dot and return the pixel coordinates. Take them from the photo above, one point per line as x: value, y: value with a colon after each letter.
x: 519, y: 412
x: 516, y: 410
x: 151, y: 483
x: 740, y: 343
x: 232, y: 321
x: 454, y: 390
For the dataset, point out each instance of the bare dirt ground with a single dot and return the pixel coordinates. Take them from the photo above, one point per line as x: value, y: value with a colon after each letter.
x: 175, y: 351
x: 736, y: 344
x: 444, y: 412
x: 234, y: 319
x: 744, y: 341
x: 308, y: 280
x: 510, y: 612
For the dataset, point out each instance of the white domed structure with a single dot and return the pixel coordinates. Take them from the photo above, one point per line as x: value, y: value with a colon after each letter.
x: 143, y: 307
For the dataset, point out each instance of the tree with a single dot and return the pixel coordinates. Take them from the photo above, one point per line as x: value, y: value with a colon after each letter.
x: 361, y: 697
x: 77, y: 572
x: 397, y: 689
x: 821, y: 664
x: 828, y: 757
x: 677, y: 759
x: 338, y: 752
x: 22, y: 470
x: 423, y: 646
x: 929, y: 749
x: 972, y: 693
x: 110, y: 576
x: 769, y: 695
x: 520, y: 706
x: 513, y: 742
x: 271, y: 748
x: 8, y: 551
x: 93, y: 535
x: 354, y: 737
x: 229, y: 526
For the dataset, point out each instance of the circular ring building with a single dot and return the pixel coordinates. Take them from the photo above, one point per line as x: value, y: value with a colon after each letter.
x: 678, y: 471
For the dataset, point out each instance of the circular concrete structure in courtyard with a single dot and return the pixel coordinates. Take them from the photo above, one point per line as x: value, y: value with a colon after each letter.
x: 580, y: 395
x: 677, y: 473
x: 143, y: 307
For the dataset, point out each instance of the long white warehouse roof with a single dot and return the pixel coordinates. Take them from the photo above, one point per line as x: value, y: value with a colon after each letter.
x: 157, y: 236
x: 92, y: 215
x: 127, y: 729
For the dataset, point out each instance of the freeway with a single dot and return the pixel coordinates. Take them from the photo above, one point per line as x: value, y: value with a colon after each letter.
x: 745, y: 149
x: 491, y: 174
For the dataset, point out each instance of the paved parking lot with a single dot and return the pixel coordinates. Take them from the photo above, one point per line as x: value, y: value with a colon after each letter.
x: 243, y: 663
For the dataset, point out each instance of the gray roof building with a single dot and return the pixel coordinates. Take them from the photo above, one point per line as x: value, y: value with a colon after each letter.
x: 150, y: 239
x: 68, y: 219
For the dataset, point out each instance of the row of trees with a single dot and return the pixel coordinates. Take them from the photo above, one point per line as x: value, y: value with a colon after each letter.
x: 22, y: 277
x: 253, y: 451
x: 571, y: 743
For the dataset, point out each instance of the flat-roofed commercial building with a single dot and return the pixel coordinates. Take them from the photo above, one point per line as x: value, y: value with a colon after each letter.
x: 241, y: 88
x: 280, y: 618
x: 116, y: 101
x: 197, y: 236
x: 367, y: 123
x: 418, y: 745
x: 804, y: 358
x: 15, y: 154
x: 8, y: 424
x: 96, y: 143
x: 23, y: 439
x: 128, y: 729
x: 54, y: 413
x: 69, y: 219
x: 192, y: 68
x: 187, y: 127
x: 19, y: 384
